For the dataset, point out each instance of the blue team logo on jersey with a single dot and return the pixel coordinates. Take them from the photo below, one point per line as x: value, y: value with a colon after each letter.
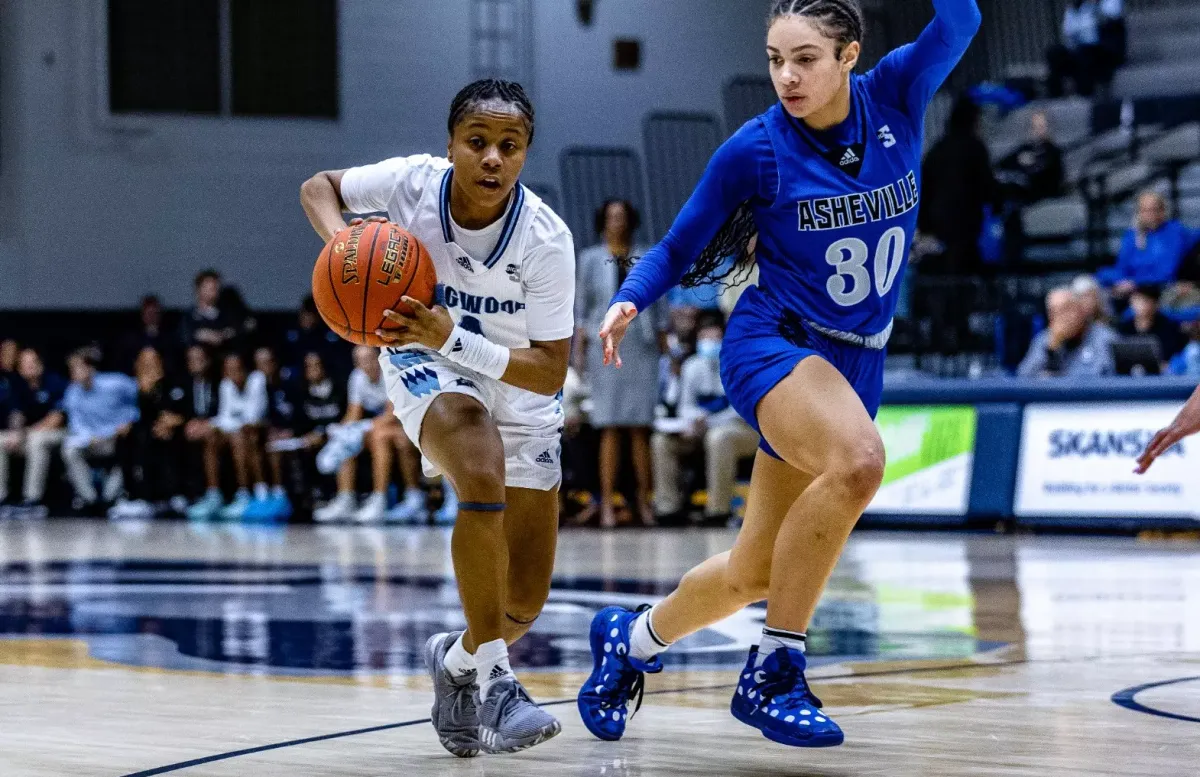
x: 421, y: 381
x: 406, y: 359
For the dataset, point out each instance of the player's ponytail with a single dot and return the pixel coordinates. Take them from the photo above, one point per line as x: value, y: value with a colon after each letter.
x: 727, y: 257
x: 841, y: 20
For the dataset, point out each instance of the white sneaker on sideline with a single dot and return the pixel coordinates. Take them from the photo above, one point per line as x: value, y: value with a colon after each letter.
x: 341, y: 508
x: 373, y: 509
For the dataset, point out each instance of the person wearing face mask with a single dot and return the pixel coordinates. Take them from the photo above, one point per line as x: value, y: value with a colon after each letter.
x: 711, y: 422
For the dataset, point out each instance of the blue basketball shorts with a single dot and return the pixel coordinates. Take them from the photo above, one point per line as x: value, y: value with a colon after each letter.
x: 764, y: 343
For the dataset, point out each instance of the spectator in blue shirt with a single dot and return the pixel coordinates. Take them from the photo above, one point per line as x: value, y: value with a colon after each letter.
x: 1151, y: 251
x: 38, y: 396
x: 101, y: 409
x: 10, y: 432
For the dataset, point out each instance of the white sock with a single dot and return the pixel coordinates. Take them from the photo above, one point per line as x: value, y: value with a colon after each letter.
x: 278, y: 492
x: 491, y: 659
x: 644, y: 643
x: 214, y: 493
x: 773, y: 639
x: 414, y: 496
x: 261, y: 492
x: 458, y: 661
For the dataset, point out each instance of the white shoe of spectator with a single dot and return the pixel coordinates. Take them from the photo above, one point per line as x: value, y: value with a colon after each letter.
x: 373, y: 509
x: 345, y: 442
x: 342, y: 507
x: 411, y: 511
x: 131, y: 509
x: 237, y: 508
x: 448, y: 512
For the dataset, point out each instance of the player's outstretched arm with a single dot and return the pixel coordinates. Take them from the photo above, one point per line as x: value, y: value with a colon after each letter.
x: 1185, y: 424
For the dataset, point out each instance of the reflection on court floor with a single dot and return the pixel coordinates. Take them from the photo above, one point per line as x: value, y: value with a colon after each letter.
x: 177, y: 647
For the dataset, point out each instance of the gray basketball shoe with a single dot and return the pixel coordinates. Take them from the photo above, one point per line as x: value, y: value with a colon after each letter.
x: 455, y: 713
x: 509, y: 720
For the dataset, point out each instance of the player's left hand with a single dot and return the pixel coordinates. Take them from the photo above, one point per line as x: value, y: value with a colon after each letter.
x: 1185, y: 424
x: 430, y: 327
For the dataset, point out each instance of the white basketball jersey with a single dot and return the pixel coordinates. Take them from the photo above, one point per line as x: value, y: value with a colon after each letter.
x: 522, y: 291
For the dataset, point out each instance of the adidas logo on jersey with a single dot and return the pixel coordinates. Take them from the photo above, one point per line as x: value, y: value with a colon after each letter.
x: 458, y: 346
x: 849, y: 158
x: 545, y: 458
x: 465, y: 263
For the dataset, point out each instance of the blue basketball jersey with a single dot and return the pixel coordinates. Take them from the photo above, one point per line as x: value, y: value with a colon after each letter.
x: 835, y: 210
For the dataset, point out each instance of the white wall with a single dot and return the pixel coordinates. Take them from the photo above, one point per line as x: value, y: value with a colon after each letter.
x: 95, y: 211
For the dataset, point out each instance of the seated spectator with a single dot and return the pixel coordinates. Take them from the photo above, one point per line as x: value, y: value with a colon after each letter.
x: 10, y: 435
x: 195, y: 401
x: 1070, y: 346
x: 204, y: 324
x: 8, y: 356
x: 1145, y: 319
x: 101, y: 409
x: 1078, y: 57
x: 711, y: 422
x: 1095, y: 301
x: 310, y: 335
x: 149, y: 454
x: 38, y: 396
x: 320, y: 401
x: 1035, y: 170
x: 1187, y: 361
x: 236, y: 427
x: 149, y: 334
x: 1151, y: 251
x: 243, y: 326
x: 369, y: 422
x: 279, y: 422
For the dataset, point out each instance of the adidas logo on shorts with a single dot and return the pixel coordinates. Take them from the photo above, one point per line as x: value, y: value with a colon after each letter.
x: 545, y: 458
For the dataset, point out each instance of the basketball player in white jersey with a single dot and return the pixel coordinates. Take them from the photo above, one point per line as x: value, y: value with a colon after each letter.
x: 474, y: 381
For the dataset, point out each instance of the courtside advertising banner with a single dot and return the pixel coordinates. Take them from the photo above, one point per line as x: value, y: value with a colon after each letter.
x: 929, y: 459
x: 1078, y: 460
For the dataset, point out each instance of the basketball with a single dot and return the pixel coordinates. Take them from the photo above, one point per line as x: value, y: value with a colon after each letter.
x: 366, y: 269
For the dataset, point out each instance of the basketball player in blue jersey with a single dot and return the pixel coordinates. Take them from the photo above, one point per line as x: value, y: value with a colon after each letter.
x: 829, y: 180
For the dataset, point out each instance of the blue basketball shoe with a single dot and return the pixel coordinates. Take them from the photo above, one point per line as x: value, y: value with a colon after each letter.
x: 616, y: 678
x: 775, y: 699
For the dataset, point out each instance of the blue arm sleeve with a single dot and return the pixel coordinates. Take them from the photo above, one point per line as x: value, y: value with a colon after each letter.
x: 909, y: 76
x: 733, y: 177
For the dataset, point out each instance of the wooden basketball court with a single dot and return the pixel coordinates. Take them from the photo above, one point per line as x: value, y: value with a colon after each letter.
x: 221, y: 650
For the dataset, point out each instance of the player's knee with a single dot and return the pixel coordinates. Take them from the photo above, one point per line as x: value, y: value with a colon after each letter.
x: 479, y: 479
x: 859, y: 471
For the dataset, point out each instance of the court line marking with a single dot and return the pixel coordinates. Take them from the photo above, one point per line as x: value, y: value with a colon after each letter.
x: 1126, y: 698
x: 557, y: 703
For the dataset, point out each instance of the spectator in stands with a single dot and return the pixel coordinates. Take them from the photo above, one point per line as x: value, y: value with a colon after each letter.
x: 958, y: 184
x: 149, y: 454
x: 277, y: 424
x: 623, y: 401
x: 236, y: 427
x: 310, y: 335
x: 1035, y: 170
x: 321, y: 403
x: 242, y: 325
x: 1152, y: 251
x: 368, y: 423
x: 101, y: 409
x: 195, y: 400
x: 149, y: 334
x: 1187, y: 361
x: 1070, y: 346
x: 1146, y: 320
x: 39, y: 397
x: 204, y: 324
x: 710, y: 422
x: 1094, y: 298
x: 11, y: 436
x: 1078, y: 57
x: 1113, y: 36
x: 9, y: 349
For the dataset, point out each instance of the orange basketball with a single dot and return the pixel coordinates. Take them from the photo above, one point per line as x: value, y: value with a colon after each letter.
x: 364, y: 271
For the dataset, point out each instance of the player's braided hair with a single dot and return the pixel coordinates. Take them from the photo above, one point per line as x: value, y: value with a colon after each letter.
x: 841, y: 20
x: 474, y: 95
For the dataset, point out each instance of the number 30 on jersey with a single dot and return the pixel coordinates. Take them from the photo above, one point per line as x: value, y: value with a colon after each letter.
x: 851, y: 283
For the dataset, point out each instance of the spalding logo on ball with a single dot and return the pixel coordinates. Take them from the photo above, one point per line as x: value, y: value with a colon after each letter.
x: 365, y: 270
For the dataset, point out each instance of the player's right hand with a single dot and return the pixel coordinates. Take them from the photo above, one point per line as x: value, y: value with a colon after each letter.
x: 612, y: 331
